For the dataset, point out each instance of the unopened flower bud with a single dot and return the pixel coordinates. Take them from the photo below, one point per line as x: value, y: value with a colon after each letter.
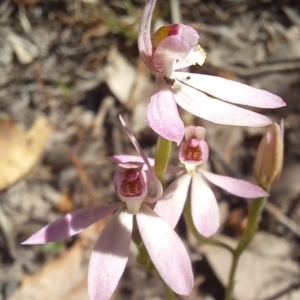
x: 269, y: 158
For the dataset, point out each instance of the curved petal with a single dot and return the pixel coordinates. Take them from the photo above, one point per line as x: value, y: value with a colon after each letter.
x: 124, y: 158
x: 138, y: 148
x: 144, y: 35
x: 214, y: 110
x: 172, y: 48
x: 170, y: 206
x: 162, y: 114
x: 231, y: 91
x: 166, y: 251
x: 109, y: 257
x: 234, y: 186
x: 205, y: 209
x: 71, y: 224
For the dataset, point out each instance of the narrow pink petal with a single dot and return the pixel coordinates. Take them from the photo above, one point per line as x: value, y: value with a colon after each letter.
x: 109, y: 257
x: 234, y: 186
x: 162, y: 114
x: 166, y: 251
x: 138, y: 148
x: 124, y: 158
x: 174, y: 47
x: 231, y: 91
x: 71, y: 224
x: 214, y: 110
x: 144, y: 35
x: 170, y: 206
x: 205, y: 209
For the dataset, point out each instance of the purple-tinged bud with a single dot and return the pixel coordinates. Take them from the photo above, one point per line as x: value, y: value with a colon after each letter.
x: 193, y: 148
x: 269, y: 159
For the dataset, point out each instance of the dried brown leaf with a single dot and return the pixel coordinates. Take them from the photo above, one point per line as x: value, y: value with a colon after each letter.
x: 62, y: 277
x: 20, y: 150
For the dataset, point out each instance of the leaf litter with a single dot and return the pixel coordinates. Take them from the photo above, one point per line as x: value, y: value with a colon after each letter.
x: 54, y: 83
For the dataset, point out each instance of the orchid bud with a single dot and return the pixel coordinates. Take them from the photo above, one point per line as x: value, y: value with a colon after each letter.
x: 130, y: 185
x: 269, y: 159
x: 193, y: 148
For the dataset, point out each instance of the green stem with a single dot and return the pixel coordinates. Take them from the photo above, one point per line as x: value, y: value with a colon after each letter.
x: 143, y: 257
x: 255, y: 210
x: 162, y: 156
x: 197, y: 235
x: 234, y: 264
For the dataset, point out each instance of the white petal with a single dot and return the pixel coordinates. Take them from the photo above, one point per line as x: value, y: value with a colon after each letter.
x: 237, y: 187
x: 109, y: 257
x: 166, y: 251
x: 170, y: 206
x: 231, y: 91
x: 214, y: 110
x: 72, y: 223
x: 205, y: 209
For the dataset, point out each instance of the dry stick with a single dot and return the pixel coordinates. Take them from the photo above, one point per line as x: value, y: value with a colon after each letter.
x: 282, y: 218
x: 24, y: 19
x: 104, y: 109
x: 263, y: 69
x: 175, y: 11
x: 9, y: 234
x: 85, y: 180
x: 41, y: 83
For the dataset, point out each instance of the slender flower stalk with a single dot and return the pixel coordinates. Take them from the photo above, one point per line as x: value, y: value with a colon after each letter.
x: 267, y: 169
x: 174, y: 47
x: 132, y: 182
x: 200, y: 238
x: 162, y: 156
x: 193, y: 154
x: 255, y: 211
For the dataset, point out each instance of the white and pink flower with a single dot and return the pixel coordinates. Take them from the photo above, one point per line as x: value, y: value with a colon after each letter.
x: 174, y: 47
x: 193, y: 183
x: 110, y: 255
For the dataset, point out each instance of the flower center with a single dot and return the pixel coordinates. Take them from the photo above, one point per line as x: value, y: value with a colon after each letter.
x: 132, y: 174
x: 131, y: 185
x: 163, y: 32
x: 192, y: 150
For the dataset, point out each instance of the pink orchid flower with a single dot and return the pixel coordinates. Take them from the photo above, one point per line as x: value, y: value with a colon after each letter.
x: 110, y: 254
x: 205, y: 211
x: 174, y: 47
